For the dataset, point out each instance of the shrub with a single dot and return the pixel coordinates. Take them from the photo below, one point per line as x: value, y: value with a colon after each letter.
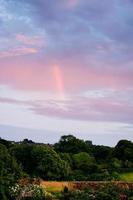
x: 29, y: 192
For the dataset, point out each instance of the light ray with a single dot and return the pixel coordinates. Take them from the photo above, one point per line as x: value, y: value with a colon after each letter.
x: 59, y: 82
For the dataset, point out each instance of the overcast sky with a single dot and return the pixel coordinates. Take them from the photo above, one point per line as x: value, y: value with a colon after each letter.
x: 66, y: 67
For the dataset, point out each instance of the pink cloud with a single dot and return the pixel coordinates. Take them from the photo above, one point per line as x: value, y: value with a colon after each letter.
x: 32, y: 76
x: 85, y: 109
x: 11, y: 101
x: 33, y: 40
x: 72, y: 3
x: 18, y: 51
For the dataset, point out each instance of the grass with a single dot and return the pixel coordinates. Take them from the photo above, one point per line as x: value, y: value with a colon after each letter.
x: 127, y: 176
x: 54, y: 186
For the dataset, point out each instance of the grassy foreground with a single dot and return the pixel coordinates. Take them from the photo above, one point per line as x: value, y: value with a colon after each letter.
x: 127, y: 176
x: 55, y: 186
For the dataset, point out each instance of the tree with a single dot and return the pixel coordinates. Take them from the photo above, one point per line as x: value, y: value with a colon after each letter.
x: 115, y: 164
x: 26, y: 141
x: 48, y: 164
x: 10, y: 171
x: 23, y: 155
x: 124, y: 150
x: 5, y: 142
x: 83, y: 166
x: 41, y: 161
x: 67, y: 157
x: 71, y: 144
x: 101, y: 153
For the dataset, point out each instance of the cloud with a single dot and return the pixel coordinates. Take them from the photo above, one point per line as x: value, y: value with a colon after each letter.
x: 88, y: 109
x: 18, y: 51
x: 33, y: 40
x: 91, y: 44
x: 11, y: 101
x: 106, y: 109
x: 73, y: 3
x: 84, y: 29
x: 40, y: 77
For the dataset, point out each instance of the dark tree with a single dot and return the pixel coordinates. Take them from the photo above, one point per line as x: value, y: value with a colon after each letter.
x: 71, y: 144
x: 10, y: 172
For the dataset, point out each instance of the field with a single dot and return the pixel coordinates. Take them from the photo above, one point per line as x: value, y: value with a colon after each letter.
x: 54, y: 186
x: 127, y: 176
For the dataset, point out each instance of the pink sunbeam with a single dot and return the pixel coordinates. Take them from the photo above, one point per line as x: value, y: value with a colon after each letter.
x: 59, y: 81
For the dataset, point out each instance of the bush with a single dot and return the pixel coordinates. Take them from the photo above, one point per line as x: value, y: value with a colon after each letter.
x: 107, y: 192
x: 10, y: 171
x: 29, y: 192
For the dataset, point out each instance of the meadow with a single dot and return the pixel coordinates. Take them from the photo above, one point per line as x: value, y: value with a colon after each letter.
x: 128, y: 176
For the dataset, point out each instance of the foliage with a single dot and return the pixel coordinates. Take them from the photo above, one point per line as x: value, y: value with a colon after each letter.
x: 83, y: 161
x: 10, y: 171
x: 23, y: 154
x: 48, y: 164
x: 108, y: 192
x: 69, y: 159
x: 71, y: 144
x: 30, y: 191
x: 41, y: 161
x: 128, y: 176
x: 124, y: 150
x: 6, y: 143
x: 101, y: 153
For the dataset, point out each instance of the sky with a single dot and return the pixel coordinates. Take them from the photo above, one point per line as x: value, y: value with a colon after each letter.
x: 66, y: 67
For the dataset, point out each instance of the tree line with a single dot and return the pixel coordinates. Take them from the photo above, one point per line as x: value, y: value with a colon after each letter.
x: 69, y: 159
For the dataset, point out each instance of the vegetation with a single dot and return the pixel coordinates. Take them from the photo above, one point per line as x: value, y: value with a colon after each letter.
x: 70, y: 159
x: 29, y: 192
x: 10, y: 171
x: 127, y: 176
x: 109, y: 192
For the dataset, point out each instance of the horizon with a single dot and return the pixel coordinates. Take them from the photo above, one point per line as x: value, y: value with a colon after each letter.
x: 32, y: 134
x: 39, y: 141
x: 66, y: 67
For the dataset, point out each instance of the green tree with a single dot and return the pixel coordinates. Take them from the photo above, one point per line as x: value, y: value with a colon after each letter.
x: 41, y: 161
x: 83, y: 160
x: 23, y: 155
x: 48, y: 164
x: 101, y: 153
x: 10, y: 171
x: 71, y: 144
x: 123, y: 150
x: 83, y: 165
x: 67, y: 157
x: 8, y: 144
x: 115, y: 164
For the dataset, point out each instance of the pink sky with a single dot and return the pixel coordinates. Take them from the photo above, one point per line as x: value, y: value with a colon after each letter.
x: 66, y: 67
